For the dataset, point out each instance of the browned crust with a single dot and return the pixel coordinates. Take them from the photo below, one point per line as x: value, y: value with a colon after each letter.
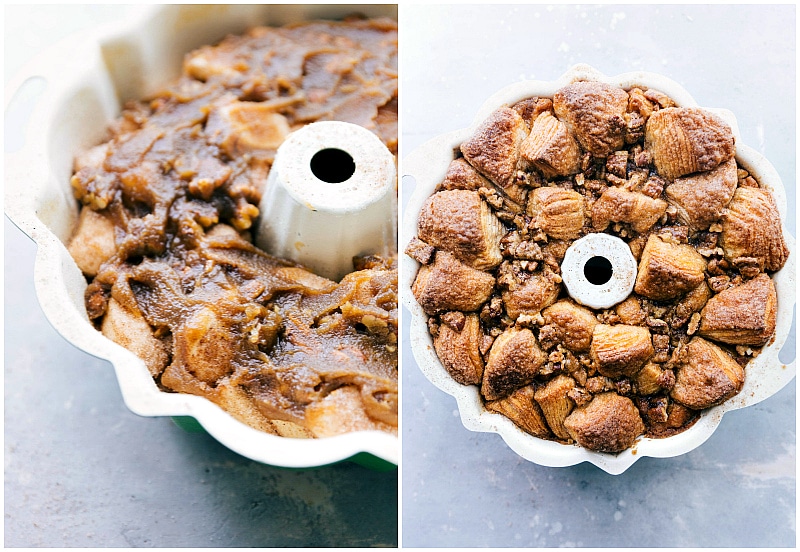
x: 459, y: 351
x: 514, y: 360
x: 449, y: 284
x: 620, y: 349
x: 493, y: 149
x: 539, y: 291
x: 463, y: 176
x: 751, y: 228
x: 668, y: 270
x: 551, y: 148
x: 620, y: 205
x: 555, y: 403
x: 573, y: 324
x: 742, y: 315
x: 594, y: 112
x: 521, y: 409
x: 558, y: 212
x: 609, y: 423
x: 675, y: 242
x: 460, y: 222
x: 686, y: 140
x: 701, y: 198
x: 709, y: 376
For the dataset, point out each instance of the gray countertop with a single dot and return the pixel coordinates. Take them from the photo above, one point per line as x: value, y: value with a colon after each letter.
x: 82, y: 471
x: 469, y: 489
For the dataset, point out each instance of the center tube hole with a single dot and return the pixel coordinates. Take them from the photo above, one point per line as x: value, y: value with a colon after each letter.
x: 333, y: 165
x: 598, y: 270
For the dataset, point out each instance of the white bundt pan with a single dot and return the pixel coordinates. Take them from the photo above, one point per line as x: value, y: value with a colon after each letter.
x: 765, y: 375
x: 86, y: 79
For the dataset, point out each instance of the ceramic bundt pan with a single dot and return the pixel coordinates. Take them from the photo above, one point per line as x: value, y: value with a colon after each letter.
x: 82, y: 83
x: 766, y: 374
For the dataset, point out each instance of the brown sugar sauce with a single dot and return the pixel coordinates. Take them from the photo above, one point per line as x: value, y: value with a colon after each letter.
x: 169, y: 204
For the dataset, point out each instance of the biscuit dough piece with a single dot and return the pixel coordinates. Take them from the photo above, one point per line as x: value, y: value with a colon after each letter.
x: 668, y: 270
x: 571, y: 324
x: 514, y: 360
x: 204, y: 346
x: 459, y: 351
x: 129, y: 329
x: 550, y: 147
x: 742, y: 315
x: 494, y: 147
x: 686, y: 140
x: 648, y: 379
x: 241, y: 127
x: 521, y: 408
x: 701, y: 198
x: 448, y: 284
x: 460, y: 222
x: 342, y: 411
x: 621, y: 350
x: 557, y: 212
x: 708, y: 377
x: 620, y: 205
x: 555, y: 403
x: 751, y: 229
x: 679, y: 418
x: 463, y: 176
x: 610, y: 423
x: 539, y: 291
x: 630, y: 311
x: 93, y: 242
x: 595, y: 113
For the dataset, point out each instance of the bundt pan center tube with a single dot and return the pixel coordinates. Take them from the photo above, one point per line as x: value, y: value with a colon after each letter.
x: 330, y: 196
x: 599, y: 271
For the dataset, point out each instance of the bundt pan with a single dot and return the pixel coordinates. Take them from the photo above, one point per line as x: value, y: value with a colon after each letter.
x: 75, y: 90
x: 765, y: 374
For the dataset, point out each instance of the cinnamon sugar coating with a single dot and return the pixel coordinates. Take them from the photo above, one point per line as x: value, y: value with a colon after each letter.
x: 553, y: 398
x: 514, y: 360
x: 751, y: 228
x: 494, y: 147
x: 551, y: 148
x: 460, y: 222
x: 463, y: 176
x: 742, y: 315
x: 610, y: 423
x: 708, y: 377
x: 620, y: 349
x: 559, y: 213
x: 522, y: 409
x: 686, y: 140
x: 448, y: 284
x: 458, y: 349
x: 570, y: 324
x: 621, y: 205
x: 595, y: 113
x: 701, y: 198
x: 537, y: 292
x: 668, y: 270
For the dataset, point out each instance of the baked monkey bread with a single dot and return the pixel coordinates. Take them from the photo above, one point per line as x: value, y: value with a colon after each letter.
x: 533, y: 180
